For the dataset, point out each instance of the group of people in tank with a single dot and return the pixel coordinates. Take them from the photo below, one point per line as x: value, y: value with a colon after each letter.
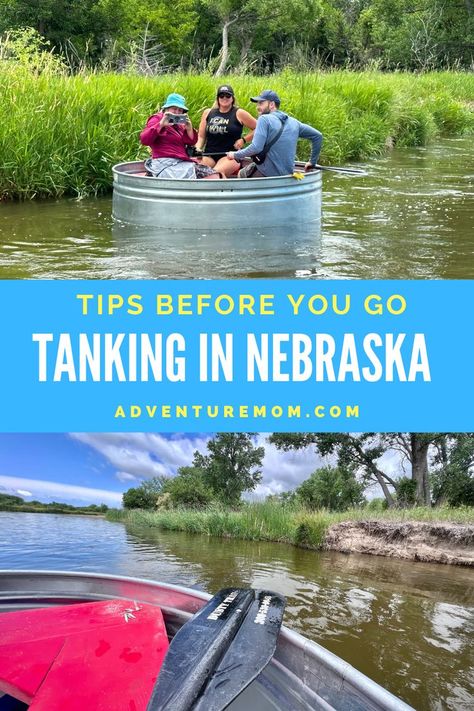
x: 217, y: 148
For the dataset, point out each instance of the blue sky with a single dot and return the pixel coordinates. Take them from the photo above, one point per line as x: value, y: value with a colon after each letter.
x: 97, y: 468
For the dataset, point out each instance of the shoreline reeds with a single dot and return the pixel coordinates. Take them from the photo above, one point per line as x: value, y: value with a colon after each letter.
x: 61, y: 134
x: 269, y: 521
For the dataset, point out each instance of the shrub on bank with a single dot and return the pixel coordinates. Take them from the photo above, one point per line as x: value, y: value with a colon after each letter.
x: 61, y: 134
x: 311, y: 530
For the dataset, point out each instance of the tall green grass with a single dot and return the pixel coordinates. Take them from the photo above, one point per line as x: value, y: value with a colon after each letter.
x: 271, y: 521
x: 60, y: 134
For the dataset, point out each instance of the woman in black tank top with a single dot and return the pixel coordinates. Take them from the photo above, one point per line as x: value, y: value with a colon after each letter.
x: 220, y: 131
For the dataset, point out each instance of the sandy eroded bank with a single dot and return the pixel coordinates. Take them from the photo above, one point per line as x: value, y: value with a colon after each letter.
x: 451, y: 543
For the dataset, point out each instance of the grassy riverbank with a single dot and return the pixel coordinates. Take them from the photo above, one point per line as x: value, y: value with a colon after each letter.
x: 273, y: 522
x: 52, y: 510
x: 60, y: 134
x: 16, y: 504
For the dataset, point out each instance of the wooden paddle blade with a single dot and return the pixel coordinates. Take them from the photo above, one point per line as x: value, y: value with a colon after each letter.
x: 197, y: 649
x: 249, y: 653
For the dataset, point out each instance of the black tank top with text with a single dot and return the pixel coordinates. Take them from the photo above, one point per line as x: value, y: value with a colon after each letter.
x: 222, y: 130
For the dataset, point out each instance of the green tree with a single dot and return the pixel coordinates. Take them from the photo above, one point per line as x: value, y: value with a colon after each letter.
x: 153, y: 35
x: 189, y: 489
x: 425, y: 35
x: 10, y: 501
x: 364, y: 451
x: 406, y: 492
x: 415, y: 448
x: 144, y: 496
x: 376, y: 505
x: 168, y: 25
x: 333, y: 488
x: 56, y: 20
x: 92, y: 25
x: 25, y: 47
x: 361, y: 451
x: 453, y: 476
x: 232, y: 465
x: 285, y: 498
x: 252, y: 19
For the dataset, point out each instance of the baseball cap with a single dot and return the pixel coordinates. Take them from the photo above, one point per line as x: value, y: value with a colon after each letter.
x: 225, y: 89
x: 267, y: 95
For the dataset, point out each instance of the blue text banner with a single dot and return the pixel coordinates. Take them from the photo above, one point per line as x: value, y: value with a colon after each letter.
x: 267, y: 355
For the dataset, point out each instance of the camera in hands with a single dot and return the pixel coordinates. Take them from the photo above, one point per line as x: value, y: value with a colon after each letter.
x: 176, y: 118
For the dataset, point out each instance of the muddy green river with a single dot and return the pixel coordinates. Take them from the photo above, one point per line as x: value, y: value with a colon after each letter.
x: 411, y: 217
x: 409, y: 626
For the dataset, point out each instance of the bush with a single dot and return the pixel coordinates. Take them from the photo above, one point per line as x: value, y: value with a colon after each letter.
x: 25, y: 47
x: 406, y: 492
x: 310, y: 531
x: 333, y: 488
x: 454, y: 487
x: 377, y: 505
x: 189, y: 489
x: 8, y: 501
x: 146, y: 495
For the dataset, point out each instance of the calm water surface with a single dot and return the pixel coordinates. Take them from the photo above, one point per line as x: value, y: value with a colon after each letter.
x: 409, y: 626
x: 411, y: 217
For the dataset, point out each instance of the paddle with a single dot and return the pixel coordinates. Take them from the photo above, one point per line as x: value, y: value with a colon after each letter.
x: 356, y: 171
x: 334, y: 169
x: 219, y: 652
x: 199, y: 154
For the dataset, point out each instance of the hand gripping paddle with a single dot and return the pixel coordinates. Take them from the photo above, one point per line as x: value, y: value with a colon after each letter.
x: 219, y: 652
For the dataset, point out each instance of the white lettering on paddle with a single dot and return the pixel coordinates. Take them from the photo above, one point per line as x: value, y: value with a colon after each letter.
x: 262, y: 613
x: 220, y: 609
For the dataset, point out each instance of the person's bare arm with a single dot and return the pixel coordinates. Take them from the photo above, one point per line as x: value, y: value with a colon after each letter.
x: 201, y: 142
x: 248, y: 121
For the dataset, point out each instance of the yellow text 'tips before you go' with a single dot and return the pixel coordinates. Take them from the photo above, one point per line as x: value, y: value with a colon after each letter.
x: 240, y: 304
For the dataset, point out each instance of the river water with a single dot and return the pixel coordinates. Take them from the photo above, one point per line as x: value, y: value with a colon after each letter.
x: 411, y: 217
x: 409, y: 626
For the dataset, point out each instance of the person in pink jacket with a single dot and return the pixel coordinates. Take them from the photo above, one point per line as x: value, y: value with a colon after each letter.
x: 168, y: 133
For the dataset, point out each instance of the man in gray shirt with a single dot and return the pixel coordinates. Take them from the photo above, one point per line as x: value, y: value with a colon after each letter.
x: 280, y: 157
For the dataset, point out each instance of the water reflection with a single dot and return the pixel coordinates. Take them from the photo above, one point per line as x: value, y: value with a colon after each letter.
x: 383, y: 616
x: 280, y: 252
x: 410, y: 217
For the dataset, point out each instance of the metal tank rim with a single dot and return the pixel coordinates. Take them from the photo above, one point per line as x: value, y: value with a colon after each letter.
x: 213, y: 205
x: 295, y: 658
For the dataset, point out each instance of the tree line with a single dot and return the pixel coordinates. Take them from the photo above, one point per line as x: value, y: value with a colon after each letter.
x: 11, y: 502
x: 258, y: 36
x: 439, y: 471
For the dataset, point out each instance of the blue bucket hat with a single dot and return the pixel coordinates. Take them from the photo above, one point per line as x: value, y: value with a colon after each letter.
x: 175, y: 100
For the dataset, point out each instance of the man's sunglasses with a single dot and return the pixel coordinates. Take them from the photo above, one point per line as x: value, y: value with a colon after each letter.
x: 224, y: 95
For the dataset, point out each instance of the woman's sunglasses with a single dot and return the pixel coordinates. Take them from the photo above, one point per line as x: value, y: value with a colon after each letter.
x: 224, y: 95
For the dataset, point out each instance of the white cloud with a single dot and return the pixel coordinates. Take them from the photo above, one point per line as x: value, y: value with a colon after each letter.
x: 283, y: 471
x: 54, y: 491
x: 125, y: 476
x: 138, y: 456
x: 143, y: 455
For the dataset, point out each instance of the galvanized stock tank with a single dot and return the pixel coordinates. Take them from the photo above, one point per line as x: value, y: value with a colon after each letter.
x: 302, y: 676
x: 254, y: 203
